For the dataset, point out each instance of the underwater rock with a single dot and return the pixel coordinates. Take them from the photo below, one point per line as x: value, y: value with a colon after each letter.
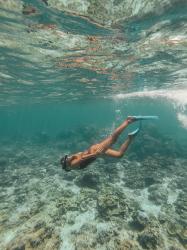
x: 140, y: 220
x: 104, y: 235
x: 181, y: 207
x: 144, y: 173
x: 175, y: 247
x: 133, y: 176
x: 127, y: 245
x: 163, y: 216
x: 135, y: 183
x: 3, y: 218
x: 150, y: 239
x: 84, y: 242
x: 85, y: 238
x: 113, y: 204
x: 66, y: 204
x: 53, y: 243
x: 89, y: 180
x: 43, y: 238
x: 39, y: 225
x: 87, y: 199
x: 158, y: 194
x: 173, y: 228
x: 38, y: 237
x: 182, y: 235
x: 155, y: 140
x: 20, y: 246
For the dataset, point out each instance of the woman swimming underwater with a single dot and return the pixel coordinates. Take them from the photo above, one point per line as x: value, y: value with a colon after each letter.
x: 83, y: 159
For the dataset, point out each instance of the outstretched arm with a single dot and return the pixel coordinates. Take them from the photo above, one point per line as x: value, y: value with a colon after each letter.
x: 77, y: 160
x: 88, y: 156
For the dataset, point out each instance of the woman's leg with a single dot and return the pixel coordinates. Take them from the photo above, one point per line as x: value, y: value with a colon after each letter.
x: 105, y: 144
x: 119, y: 153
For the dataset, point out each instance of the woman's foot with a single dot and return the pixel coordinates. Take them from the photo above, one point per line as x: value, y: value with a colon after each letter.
x: 131, y: 119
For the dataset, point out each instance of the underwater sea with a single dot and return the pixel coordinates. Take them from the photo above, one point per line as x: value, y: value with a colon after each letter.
x: 71, y: 72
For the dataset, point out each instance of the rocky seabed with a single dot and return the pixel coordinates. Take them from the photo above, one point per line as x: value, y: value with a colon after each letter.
x: 126, y: 204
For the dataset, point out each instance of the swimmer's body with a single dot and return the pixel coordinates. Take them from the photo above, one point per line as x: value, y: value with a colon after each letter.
x: 82, y: 159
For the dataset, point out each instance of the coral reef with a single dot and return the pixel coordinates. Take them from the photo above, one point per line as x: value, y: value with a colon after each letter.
x: 90, y: 180
x: 40, y: 237
x: 99, y: 207
x: 113, y: 203
x: 149, y: 240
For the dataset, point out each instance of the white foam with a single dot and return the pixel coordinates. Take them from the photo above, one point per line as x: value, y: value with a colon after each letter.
x: 178, y: 96
x: 183, y: 119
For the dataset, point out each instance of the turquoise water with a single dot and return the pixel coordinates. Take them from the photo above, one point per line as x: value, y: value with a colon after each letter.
x: 71, y: 72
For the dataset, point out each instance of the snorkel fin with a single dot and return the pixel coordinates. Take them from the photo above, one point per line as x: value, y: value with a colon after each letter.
x: 144, y: 117
x: 140, y: 118
x: 136, y: 131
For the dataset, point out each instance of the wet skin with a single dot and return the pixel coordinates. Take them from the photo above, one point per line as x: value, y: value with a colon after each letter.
x: 103, y: 147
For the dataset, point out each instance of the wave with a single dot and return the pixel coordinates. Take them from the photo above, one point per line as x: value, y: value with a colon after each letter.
x: 178, y: 98
x: 182, y: 119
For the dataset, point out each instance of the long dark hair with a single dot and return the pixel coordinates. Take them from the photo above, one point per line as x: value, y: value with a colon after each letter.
x: 86, y: 162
